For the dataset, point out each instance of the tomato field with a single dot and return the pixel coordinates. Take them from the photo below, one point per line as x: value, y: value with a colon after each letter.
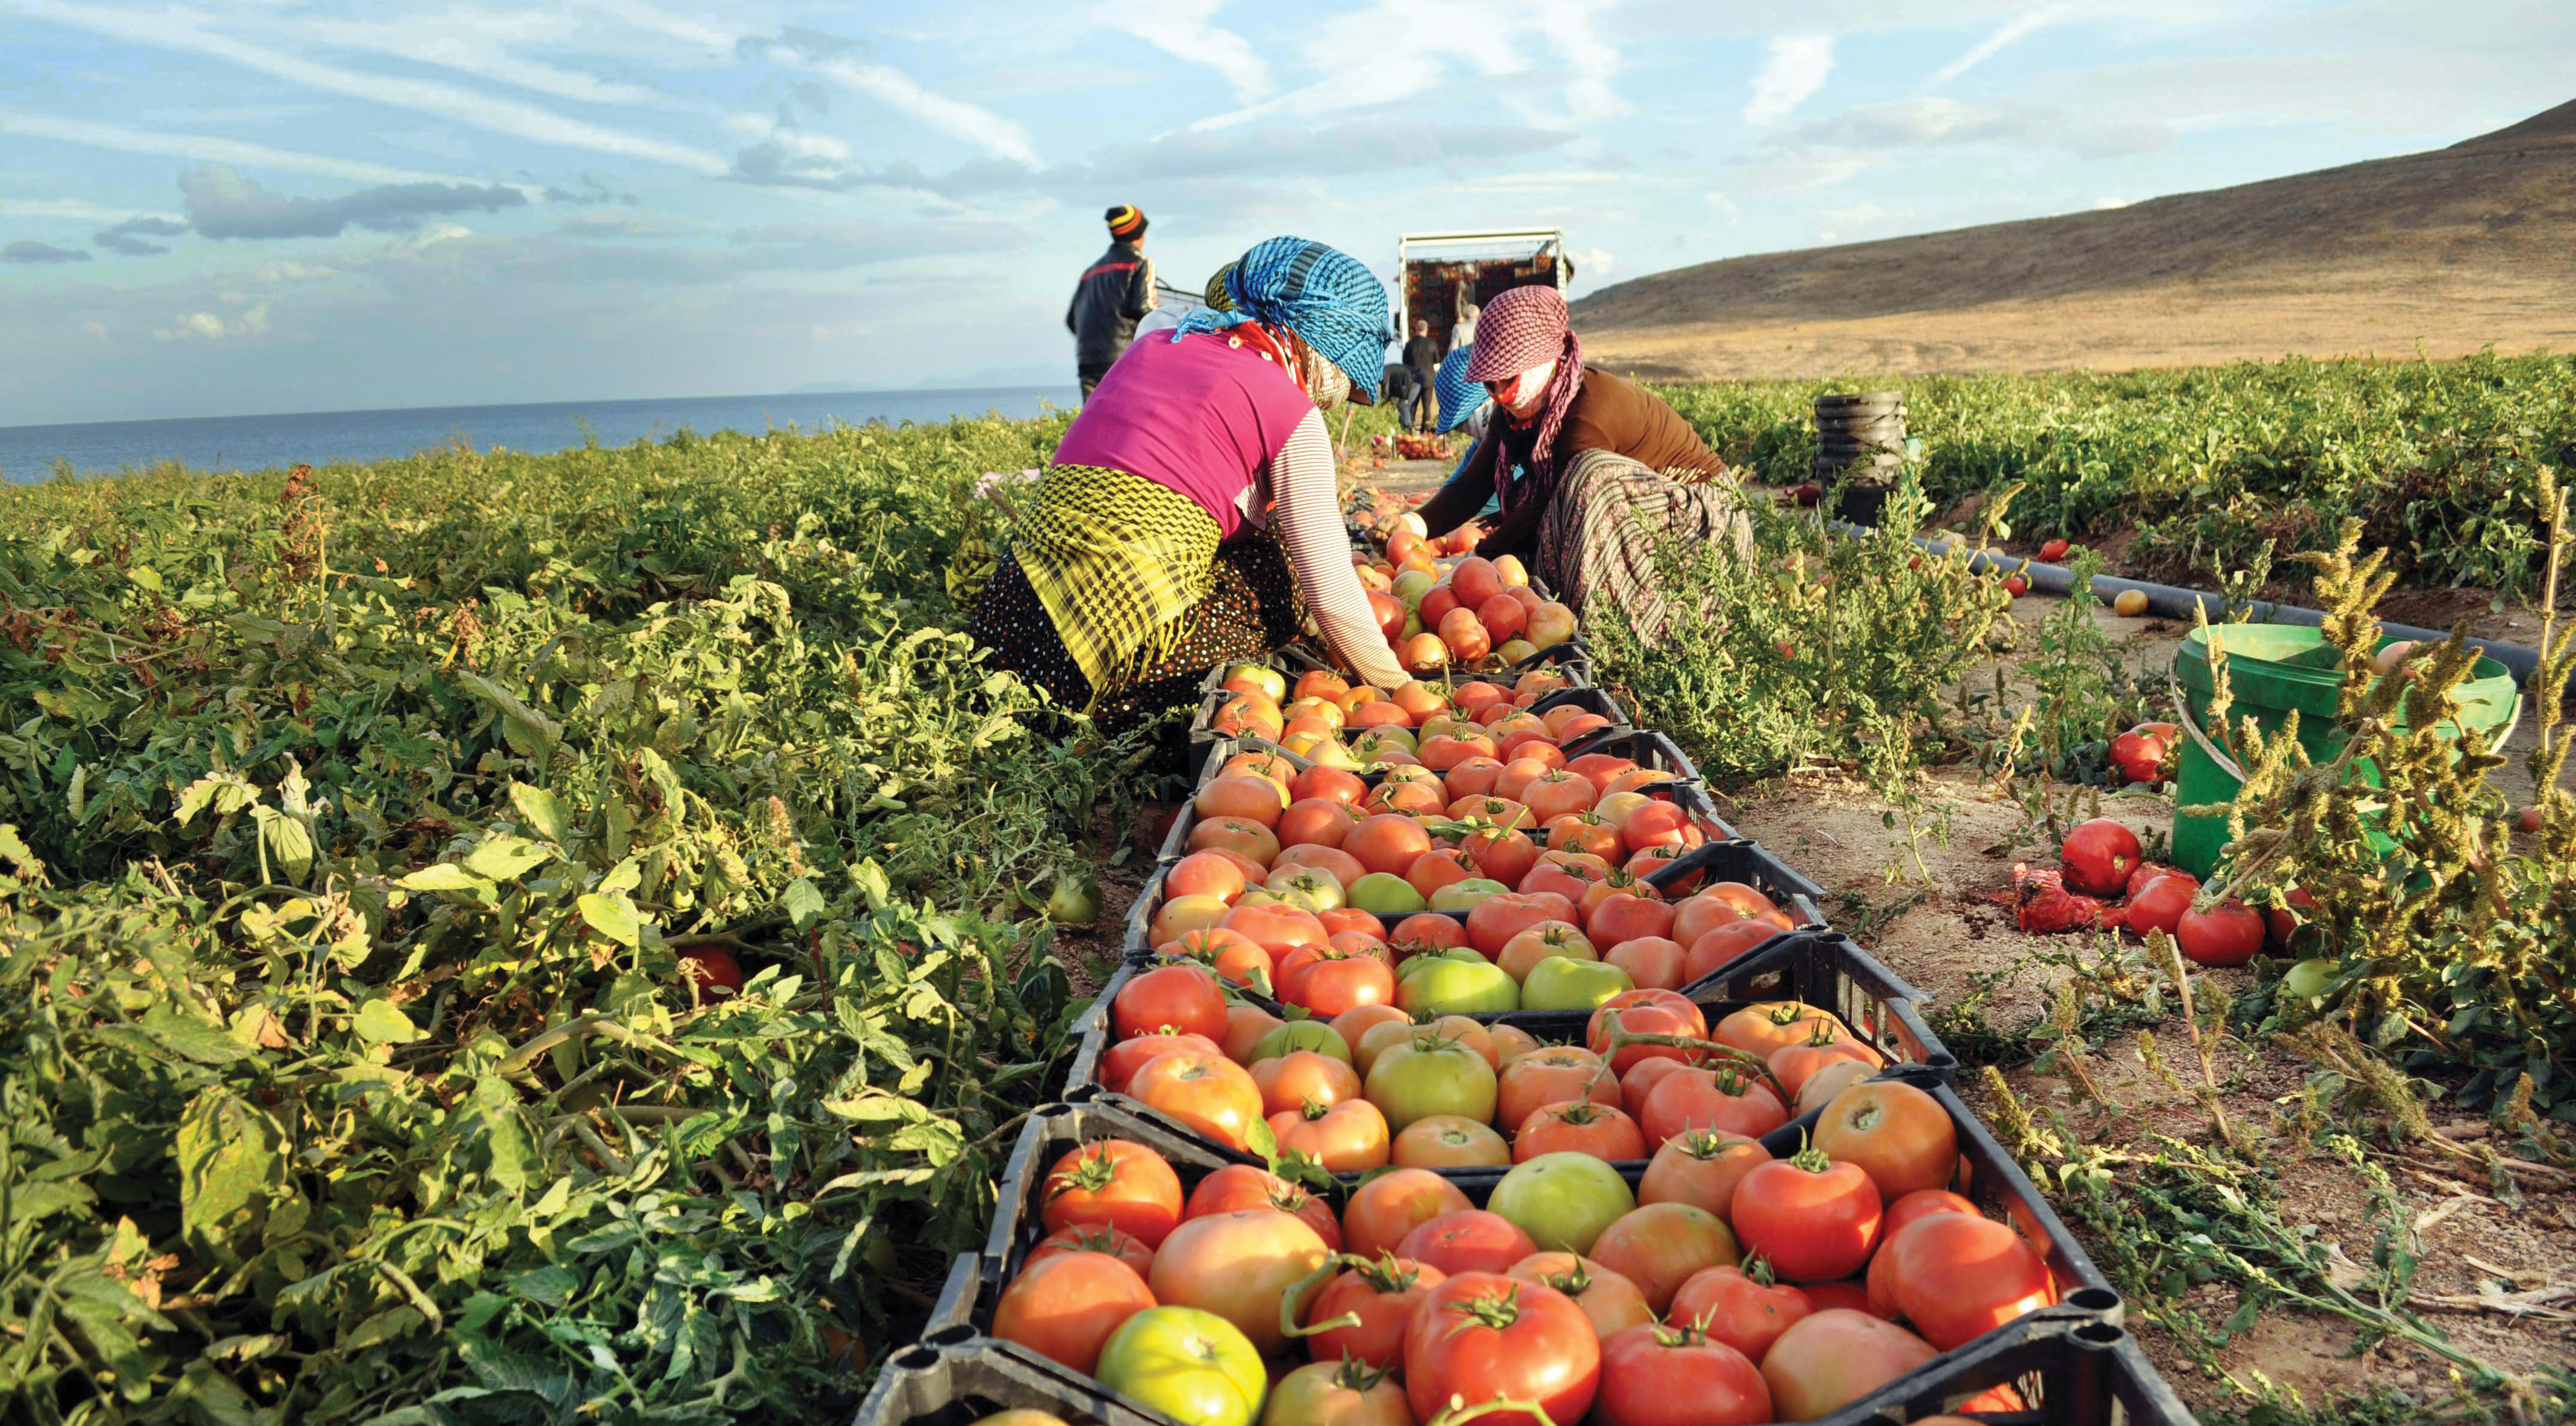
x: 585, y: 937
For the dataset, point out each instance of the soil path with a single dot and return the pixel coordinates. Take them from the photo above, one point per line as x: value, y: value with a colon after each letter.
x: 1919, y: 897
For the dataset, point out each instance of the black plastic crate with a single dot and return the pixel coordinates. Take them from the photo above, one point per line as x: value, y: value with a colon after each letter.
x: 959, y: 1382
x: 1818, y: 968
x: 2062, y: 1382
x: 2064, y: 1373
x: 1749, y: 862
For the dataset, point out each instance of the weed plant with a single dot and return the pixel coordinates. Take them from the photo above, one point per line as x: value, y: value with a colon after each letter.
x: 2453, y: 950
x: 354, y: 824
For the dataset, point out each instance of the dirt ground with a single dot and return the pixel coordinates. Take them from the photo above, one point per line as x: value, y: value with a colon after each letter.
x: 1931, y: 922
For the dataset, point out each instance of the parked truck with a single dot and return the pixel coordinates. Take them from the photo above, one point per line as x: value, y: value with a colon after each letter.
x: 1447, y: 276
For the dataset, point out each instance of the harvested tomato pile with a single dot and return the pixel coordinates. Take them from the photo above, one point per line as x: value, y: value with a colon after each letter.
x: 1463, y: 1065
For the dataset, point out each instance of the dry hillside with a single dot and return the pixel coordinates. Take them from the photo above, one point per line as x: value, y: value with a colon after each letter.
x: 2446, y: 252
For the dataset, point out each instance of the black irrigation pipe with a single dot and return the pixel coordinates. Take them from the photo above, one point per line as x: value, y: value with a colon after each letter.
x: 2170, y: 602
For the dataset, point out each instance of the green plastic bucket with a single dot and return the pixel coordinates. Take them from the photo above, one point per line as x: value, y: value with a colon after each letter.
x: 2275, y: 669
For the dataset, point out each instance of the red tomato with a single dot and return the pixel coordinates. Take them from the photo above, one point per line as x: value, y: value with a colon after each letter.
x: 2099, y: 856
x: 1481, y: 1335
x: 1496, y: 919
x: 1760, y: 1029
x: 1897, y: 1134
x: 1115, y: 1184
x: 2052, y: 551
x: 1302, y: 1077
x: 1119, y: 1063
x: 1239, y: 1266
x: 1427, y: 930
x: 1174, y: 999
x: 2140, y: 755
x: 1470, y: 1240
x: 1794, y: 1065
x: 1350, y: 1137
x: 1816, y: 1220
x: 1386, y: 1208
x: 1610, y: 1301
x: 1066, y: 1307
x: 1835, y: 1355
x: 1092, y: 1238
x: 1746, y: 1311
x: 1660, y: 1246
x: 1726, y: 1100
x: 2225, y: 935
x: 1372, y: 1304
x: 1577, y: 1126
x: 2161, y: 903
x: 711, y: 969
x: 1700, y: 1168
x: 1209, y: 1093
x: 1956, y: 1276
x: 1553, y: 1075
x: 1239, y: 1188
x: 1624, y: 916
x: 1678, y: 1376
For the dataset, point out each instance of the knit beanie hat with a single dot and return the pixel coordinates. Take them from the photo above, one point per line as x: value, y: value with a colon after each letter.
x: 1126, y: 221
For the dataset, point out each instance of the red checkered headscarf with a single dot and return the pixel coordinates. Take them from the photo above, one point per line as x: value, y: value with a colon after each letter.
x: 1521, y: 330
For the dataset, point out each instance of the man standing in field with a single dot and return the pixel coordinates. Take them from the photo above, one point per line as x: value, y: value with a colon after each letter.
x: 1423, y: 355
x: 1111, y: 298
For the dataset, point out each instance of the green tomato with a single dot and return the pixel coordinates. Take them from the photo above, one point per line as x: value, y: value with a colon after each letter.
x: 1463, y: 895
x: 1563, y: 1201
x: 1421, y: 961
x: 1315, y: 884
x: 1270, y: 680
x: 1429, y: 1075
x: 1316, y: 1035
x: 1368, y: 744
x: 1410, y: 586
x: 1384, y: 894
x: 1564, y: 983
x: 1456, y: 987
x: 2309, y: 978
x: 1192, y: 1366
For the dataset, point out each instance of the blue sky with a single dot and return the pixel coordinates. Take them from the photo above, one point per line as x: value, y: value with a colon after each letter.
x: 237, y: 206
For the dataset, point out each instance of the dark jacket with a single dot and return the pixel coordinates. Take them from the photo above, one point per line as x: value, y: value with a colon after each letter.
x: 1107, y: 303
x: 1423, y: 354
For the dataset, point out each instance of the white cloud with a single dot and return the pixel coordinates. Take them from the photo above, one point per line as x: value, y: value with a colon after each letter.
x: 1181, y: 29
x: 205, y: 149
x: 1794, y: 70
x: 73, y: 209
x: 463, y: 106
x: 472, y: 44
x: 2104, y: 205
x: 714, y: 40
x: 1412, y: 46
x: 2009, y: 31
x: 900, y: 92
x: 209, y: 327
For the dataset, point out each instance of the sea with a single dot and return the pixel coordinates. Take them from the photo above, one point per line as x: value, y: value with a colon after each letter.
x: 248, y: 443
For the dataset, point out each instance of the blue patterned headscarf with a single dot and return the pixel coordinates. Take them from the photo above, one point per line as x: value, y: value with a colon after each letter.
x: 1459, y: 397
x: 1321, y: 293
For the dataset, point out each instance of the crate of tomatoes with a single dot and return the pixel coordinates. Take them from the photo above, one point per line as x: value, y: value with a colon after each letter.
x: 1865, y: 1252
x: 1752, y: 1047
x: 1398, y: 840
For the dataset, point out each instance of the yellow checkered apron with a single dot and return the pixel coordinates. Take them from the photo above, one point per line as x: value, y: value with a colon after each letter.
x: 1116, y: 560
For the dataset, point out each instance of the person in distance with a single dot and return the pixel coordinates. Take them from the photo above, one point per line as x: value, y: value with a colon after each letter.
x: 1113, y: 294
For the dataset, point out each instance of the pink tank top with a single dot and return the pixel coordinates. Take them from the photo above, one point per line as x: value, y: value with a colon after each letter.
x: 1200, y: 416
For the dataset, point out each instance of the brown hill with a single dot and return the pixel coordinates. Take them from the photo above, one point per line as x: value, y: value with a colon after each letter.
x: 2443, y: 252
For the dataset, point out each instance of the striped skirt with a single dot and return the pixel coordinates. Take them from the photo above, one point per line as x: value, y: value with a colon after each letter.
x: 1599, y: 542
x: 1116, y: 597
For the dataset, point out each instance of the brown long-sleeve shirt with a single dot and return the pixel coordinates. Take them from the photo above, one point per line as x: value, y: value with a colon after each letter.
x: 1609, y: 414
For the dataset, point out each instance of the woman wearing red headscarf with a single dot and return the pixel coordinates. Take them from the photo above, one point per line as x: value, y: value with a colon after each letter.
x: 1592, y: 472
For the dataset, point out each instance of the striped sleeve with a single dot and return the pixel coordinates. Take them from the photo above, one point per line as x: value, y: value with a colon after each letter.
x: 1319, y: 551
